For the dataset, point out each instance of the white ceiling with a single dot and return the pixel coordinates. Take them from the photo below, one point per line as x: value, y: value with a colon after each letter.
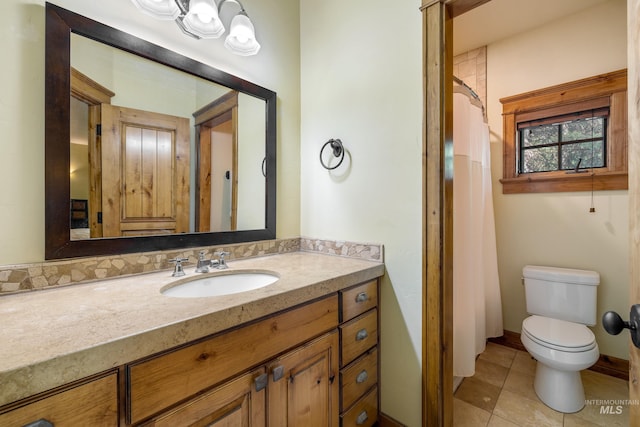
x: 500, y: 19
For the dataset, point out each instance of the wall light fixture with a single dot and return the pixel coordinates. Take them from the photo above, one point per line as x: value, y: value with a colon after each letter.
x: 200, y: 19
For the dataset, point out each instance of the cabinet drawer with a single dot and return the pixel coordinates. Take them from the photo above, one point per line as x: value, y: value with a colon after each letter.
x: 160, y: 382
x: 364, y: 413
x: 357, y: 300
x: 358, y: 335
x: 94, y: 403
x: 359, y: 377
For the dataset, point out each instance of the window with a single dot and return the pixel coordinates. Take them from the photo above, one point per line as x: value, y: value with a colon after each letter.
x: 574, y: 142
x: 570, y: 137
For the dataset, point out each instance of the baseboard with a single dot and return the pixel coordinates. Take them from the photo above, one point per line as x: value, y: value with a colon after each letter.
x: 509, y: 339
x: 386, y: 421
x: 608, y: 365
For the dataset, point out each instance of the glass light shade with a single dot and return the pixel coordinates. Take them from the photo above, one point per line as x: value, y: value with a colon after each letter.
x: 242, y: 39
x: 202, y: 19
x: 160, y: 9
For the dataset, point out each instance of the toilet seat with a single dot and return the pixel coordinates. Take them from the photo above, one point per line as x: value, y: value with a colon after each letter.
x: 559, y: 334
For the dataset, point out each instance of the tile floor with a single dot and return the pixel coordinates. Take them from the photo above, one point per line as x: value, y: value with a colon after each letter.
x: 501, y: 394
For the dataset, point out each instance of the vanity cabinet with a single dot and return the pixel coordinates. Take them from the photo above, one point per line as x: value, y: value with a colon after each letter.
x: 167, y: 380
x: 359, y: 356
x: 93, y: 402
x: 315, y: 364
x: 301, y: 385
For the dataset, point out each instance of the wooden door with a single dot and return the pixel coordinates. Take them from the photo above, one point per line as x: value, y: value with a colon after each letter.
x: 235, y: 403
x: 303, y: 388
x: 145, y: 172
x: 633, y: 122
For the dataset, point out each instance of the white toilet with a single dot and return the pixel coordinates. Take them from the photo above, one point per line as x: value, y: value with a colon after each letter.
x: 561, y: 302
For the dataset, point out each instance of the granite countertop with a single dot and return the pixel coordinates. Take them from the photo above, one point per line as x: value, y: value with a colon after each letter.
x: 52, y: 337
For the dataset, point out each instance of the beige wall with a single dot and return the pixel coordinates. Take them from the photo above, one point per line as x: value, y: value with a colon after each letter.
x: 361, y: 82
x: 556, y: 228
x: 22, y: 99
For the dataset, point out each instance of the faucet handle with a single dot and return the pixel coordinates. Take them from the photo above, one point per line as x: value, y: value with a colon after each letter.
x: 222, y: 264
x: 178, y: 271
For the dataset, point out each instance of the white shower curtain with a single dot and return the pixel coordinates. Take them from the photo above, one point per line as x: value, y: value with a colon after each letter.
x: 477, y: 310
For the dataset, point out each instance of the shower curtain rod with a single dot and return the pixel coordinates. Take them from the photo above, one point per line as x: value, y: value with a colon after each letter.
x: 473, y: 96
x: 467, y: 87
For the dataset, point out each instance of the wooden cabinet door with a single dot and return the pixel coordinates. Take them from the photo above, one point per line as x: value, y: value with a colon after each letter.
x: 236, y: 403
x: 303, y: 388
x: 145, y: 172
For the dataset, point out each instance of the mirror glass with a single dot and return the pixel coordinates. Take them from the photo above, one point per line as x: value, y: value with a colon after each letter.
x: 162, y: 151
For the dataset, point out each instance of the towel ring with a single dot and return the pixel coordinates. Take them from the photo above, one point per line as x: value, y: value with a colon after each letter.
x: 338, y: 151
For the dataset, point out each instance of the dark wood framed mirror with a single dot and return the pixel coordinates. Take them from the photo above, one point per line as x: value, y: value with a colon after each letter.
x: 61, y: 26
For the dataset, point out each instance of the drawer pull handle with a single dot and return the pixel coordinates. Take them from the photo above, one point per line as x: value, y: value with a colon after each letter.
x: 362, y: 418
x: 362, y: 334
x: 362, y: 297
x: 40, y: 423
x: 278, y: 372
x: 362, y: 377
x: 261, y: 381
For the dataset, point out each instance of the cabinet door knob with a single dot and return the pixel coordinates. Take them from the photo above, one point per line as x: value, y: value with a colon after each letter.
x: 361, y: 334
x: 362, y: 297
x: 362, y: 377
x: 278, y: 372
x: 40, y: 423
x: 261, y: 381
x: 362, y: 418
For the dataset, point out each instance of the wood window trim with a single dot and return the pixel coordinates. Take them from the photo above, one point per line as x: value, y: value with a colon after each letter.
x: 608, y: 89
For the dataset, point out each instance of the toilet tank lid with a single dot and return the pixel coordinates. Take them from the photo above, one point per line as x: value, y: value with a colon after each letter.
x: 564, y: 275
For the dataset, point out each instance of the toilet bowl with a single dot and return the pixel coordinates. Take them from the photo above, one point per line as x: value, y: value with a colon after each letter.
x: 561, y: 303
x: 562, y: 349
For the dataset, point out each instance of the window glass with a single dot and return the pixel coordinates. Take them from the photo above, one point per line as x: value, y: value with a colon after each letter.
x: 577, y: 143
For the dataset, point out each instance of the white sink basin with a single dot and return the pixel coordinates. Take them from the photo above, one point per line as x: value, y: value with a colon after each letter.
x: 216, y: 284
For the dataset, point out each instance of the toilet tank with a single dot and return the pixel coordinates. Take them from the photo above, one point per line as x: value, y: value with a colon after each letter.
x: 561, y: 293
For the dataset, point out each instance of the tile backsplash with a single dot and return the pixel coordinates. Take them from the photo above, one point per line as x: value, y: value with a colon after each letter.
x: 50, y: 274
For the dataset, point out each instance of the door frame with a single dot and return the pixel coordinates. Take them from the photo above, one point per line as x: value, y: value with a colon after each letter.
x: 633, y: 125
x: 223, y: 109
x: 437, y: 230
x: 94, y: 95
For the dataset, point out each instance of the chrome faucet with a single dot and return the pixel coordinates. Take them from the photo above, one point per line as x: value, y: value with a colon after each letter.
x: 178, y: 271
x: 221, y: 263
x: 203, y: 264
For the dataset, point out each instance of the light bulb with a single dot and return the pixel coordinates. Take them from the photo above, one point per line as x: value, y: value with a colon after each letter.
x: 202, y: 20
x: 205, y: 18
x: 202, y: 8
